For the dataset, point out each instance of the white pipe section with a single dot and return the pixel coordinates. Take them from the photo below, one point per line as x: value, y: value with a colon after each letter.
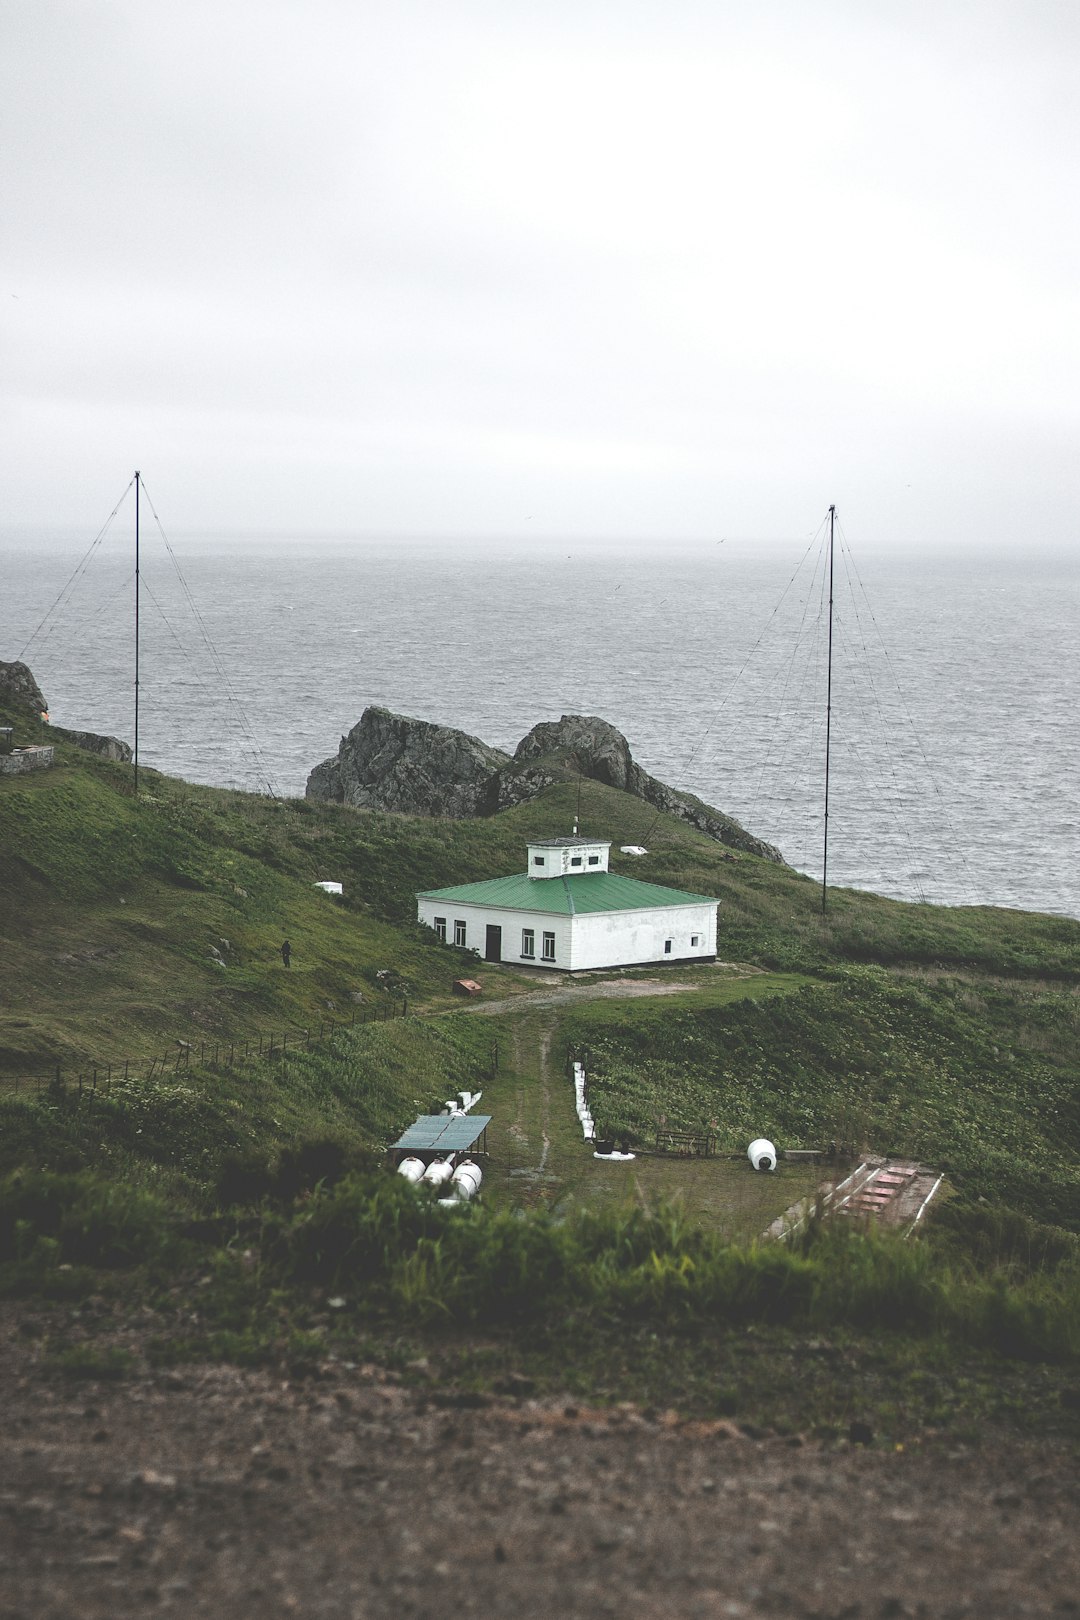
x: 762, y: 1154
x: 465, y: 1182
x: 922, y: 1207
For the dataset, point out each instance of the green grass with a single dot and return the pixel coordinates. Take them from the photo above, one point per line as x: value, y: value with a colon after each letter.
x: 538, y: 1159
x: 173, y: 1134
x: 111, y: 910
x: 868, y: 1060
x: 244, y: 1193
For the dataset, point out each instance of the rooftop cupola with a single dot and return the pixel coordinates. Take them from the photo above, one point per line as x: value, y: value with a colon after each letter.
x: 567, y: 857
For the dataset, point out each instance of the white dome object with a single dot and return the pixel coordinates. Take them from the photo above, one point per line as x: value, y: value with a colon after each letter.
x: 762, y: 1154
x: 411, y: 1169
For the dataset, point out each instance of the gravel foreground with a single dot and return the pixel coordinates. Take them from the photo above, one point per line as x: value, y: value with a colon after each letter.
x: 220, y: 1492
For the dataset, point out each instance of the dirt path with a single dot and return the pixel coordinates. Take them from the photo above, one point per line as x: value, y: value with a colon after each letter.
x: 546, y: 1035
x: 216, y: 1492
x: 555, y: 995
x: 529, y: 1130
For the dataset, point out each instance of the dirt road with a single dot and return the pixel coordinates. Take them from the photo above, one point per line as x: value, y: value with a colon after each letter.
x: 233, y: 1494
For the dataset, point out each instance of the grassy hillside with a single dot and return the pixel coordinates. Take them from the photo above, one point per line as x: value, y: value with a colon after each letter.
x: 129, y: 924
x: 233, y: 1210
x: 979, y: 1083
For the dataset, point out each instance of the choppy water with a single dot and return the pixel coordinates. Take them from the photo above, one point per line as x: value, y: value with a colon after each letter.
x: 956, y: 680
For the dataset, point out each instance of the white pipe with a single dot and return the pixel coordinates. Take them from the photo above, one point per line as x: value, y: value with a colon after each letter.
x: 922, y: 1206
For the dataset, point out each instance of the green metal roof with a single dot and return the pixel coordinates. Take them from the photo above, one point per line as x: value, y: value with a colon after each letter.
x: 567, y: 896
x: 444, y: 1133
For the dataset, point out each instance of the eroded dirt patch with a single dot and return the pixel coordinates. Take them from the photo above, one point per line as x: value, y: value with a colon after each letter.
x: 210, y: 1491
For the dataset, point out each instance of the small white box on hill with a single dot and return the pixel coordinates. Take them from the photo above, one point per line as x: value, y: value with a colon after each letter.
x: 329, y: 888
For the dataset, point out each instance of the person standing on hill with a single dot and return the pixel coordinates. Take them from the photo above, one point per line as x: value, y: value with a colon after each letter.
x: 286, y: 952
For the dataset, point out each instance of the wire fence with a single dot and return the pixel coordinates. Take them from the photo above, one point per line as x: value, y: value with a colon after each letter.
x: 98, y: 1078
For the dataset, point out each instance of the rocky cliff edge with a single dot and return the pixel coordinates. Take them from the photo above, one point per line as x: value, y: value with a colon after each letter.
x: 20, y: 693
x: 412, y: 767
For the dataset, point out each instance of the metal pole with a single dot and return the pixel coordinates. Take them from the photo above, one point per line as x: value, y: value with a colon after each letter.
x: 828, y: 719
x: 136, y: 755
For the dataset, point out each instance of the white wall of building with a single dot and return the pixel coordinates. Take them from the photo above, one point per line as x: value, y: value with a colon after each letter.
x: 623, y: 938
x: 512, y: 923
x: 567, y: 860
x: 593, y: 940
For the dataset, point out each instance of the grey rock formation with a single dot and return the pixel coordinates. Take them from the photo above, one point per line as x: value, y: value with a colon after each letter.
x: 588, y: 746
x: 107, y: 747
x: 391, y: 762
x: 19, y: 690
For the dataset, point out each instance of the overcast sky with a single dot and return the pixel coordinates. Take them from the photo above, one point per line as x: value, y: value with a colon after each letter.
x: 673, y: 270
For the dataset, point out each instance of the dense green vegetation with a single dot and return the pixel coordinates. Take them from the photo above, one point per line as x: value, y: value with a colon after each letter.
x: 128, y: 925
x: 915, y: 1339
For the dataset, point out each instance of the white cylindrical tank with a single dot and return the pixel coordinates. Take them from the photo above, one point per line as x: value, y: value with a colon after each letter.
x: 411, y: 1169
x: 438, y: 1171
x: 762, y: 1154
x: 466, y: 1180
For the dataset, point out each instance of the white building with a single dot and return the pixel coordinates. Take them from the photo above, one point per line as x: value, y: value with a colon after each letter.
x: 568, y: 911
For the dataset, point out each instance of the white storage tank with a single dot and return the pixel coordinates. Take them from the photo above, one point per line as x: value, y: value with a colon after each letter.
x: 466, y: 1180
x: 438, y: 1172
x: 411, y: 1169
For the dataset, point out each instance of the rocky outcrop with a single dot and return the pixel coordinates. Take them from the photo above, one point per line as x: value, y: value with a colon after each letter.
x: 391, y: 762
x: 20, y: 692
x: 587, y: 746
x: 107, y: 747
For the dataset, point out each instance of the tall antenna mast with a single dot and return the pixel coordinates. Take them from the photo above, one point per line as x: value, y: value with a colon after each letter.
x: 828, y: 717
x: 136, y: 755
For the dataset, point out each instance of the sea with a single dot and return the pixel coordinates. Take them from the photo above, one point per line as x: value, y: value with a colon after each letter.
x: 947, y: 709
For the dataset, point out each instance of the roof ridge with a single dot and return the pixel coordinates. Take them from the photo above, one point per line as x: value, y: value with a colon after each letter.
x: 570, y: 893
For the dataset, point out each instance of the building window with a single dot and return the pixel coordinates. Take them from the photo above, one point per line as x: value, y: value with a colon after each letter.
x: 528, y: 942
x: 440, y: 928
x: 459, y: 931
x: 594, y: 860
x: 549, y: 947
x: 667, y: 947
x: 538, y: 860
x: 695, y: 939
x: 575, y: 860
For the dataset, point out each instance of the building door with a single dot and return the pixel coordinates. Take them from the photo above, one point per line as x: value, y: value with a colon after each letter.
x: 493, y: 943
